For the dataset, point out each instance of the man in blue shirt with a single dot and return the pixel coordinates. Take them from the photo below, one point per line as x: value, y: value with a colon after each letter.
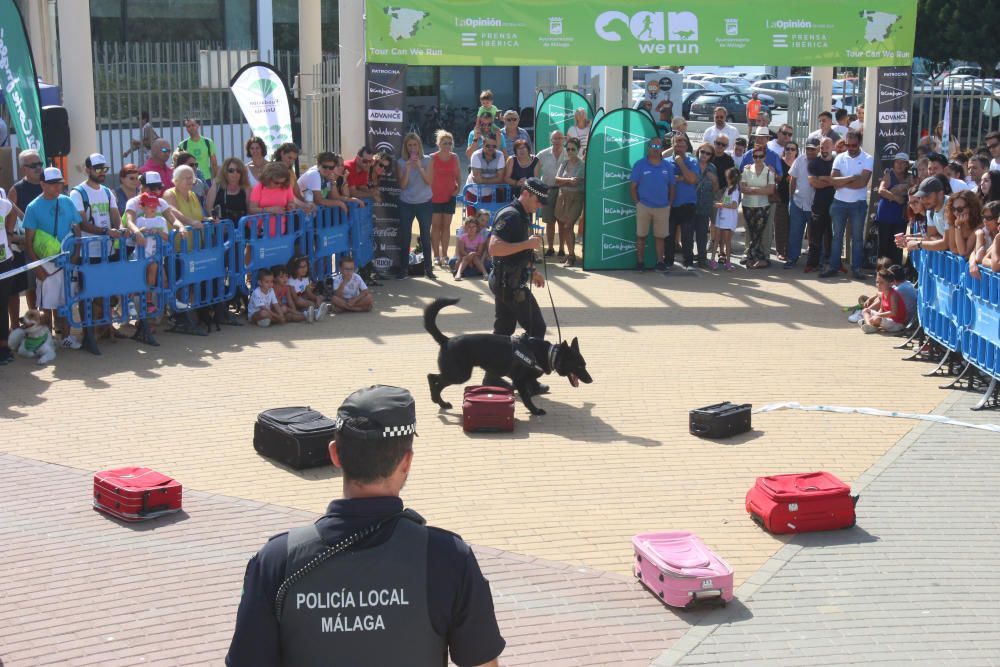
x: 652, y: 184
x: 54, y: 214
x: 685, y: 196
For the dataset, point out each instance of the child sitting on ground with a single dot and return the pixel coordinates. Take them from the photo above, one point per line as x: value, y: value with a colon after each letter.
x: 305, y: 290
x: 905, y: 288
x: 469, y: 250
x: 350, y: 293
x: 865, y: 301
x: 725, y: 222
x: 262, y: 307
x: 156, y: 231
x: 889, y: 315
x: 285, y: 296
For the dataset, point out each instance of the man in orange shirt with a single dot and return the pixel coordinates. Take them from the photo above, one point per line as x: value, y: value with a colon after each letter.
x: 753, y: 109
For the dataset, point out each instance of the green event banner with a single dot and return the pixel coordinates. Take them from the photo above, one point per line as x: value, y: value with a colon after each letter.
x: 558, y: 112
x: 627, y: 32
x: 617, y: 141
x: 17, y: 76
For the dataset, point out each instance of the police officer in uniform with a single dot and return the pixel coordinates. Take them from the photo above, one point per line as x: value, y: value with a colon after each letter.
x: 512, y: 247
x: 368, y: 583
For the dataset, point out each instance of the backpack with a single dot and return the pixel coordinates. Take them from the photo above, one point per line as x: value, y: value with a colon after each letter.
x: 208, y: 144
x: 86, y: 199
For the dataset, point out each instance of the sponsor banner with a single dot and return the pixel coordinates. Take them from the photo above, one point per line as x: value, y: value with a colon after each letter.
x: 664, y: 92
x: 264, y: 100
x: 708, y: 32
x: 17, y: 76
x: 617, y: 141
x: 892, y: 126
x: 386, y: 100
x: 558, y: 112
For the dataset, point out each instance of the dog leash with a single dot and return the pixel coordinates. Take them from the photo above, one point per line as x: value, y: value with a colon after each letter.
x: 548, y: 286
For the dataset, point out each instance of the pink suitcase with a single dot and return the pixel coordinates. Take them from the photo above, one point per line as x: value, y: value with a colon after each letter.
x: 680, y: 569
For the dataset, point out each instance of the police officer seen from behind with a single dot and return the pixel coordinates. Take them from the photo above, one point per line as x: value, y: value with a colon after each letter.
x: 368, y: 583
x: 512, y: 247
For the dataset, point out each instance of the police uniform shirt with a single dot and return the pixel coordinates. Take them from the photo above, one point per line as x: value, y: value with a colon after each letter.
x: 459, y: 600
x: 513, y: 225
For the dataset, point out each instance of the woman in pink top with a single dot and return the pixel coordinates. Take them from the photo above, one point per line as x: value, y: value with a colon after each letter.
x: 274, y: 195
x: 444, y: 187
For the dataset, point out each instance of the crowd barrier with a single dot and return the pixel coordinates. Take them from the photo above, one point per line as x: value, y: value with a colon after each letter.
x: 962, y: 314
x: 102, y: 275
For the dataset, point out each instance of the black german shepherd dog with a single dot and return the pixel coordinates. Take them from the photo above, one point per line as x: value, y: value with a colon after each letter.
x: 522, y: 359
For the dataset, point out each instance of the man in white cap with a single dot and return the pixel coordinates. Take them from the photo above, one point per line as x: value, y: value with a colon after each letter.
x: 49, y: 219
x: 99, y: 217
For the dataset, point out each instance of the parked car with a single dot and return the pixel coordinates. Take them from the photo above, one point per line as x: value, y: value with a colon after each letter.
x: 778, y: 90
x: 697, y: 77
x: 689, y: 96
x: 704, y: 85
x: 757, y: 78
x: 703, y: 108
x: 727, y: 79
x: 848, y: 103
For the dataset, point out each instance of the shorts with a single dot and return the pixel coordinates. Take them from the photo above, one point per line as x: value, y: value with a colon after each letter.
x: 448, y: 207
x: 19, y: 283
x: 50, y: 290
x: 548, y: 211
x: 645, y: 216
x: 891, y: 326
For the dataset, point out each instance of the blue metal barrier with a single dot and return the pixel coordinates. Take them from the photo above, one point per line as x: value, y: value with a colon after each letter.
x: 329, y: 236
x: 269, y: 239
x: 499, y: 198
x: 362, y: 233
x: 980, y: 315
x: 99, y: 280
x: 941, y: 277
x: 210, y: 272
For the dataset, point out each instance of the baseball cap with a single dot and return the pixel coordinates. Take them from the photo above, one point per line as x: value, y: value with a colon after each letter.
x: 150, y: 178
x: 536, y: 187
x: 52, y: 175
x: 95, y: 160
x: 901, y: 156
x: 929, y: 186
x: 813, y: 143
x: 148, y: 199
x: 390, y: 412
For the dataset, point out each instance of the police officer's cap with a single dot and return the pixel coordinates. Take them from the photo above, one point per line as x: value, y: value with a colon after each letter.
x: 390, y: 412
x: 538, y: 188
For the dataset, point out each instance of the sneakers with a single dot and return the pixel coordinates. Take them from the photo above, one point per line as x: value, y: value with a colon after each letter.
x: 854, y: 317
x: 809, y: 269
x: 831, y: 273
x: 788, y: 265
x: 264, y: 322
x: 730, y: 267
x: 310, y: 314
x: 857, y: 275
x: 640, y: 267
x: 322, y: 311
x: 712, y: 264
x: 869, y: 328
x: 71, y: 343
x: 662, y: 267
x: 689, y: 267
x: 6, y: 356
x: 550, y: 252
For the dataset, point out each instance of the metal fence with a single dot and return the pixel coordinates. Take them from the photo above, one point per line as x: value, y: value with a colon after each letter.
x: 975, y: 110
x: 321, y: 110
x: 803, y: 106
x: 172, y: 81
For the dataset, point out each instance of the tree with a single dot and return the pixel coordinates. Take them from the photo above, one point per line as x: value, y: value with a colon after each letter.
x: 959, y: 30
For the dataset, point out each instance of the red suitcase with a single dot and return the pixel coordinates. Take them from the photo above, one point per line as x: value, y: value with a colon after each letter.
x: 488, y: 409
x: 136, y: 494
x: 800, y: 503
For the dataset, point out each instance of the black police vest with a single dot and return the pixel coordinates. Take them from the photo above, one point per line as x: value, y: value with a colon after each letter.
x: 512, y: 270
x: 359, y: 608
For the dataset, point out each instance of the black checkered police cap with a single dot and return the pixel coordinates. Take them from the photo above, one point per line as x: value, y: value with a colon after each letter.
x: 391, y: 412
x: 538, y: 188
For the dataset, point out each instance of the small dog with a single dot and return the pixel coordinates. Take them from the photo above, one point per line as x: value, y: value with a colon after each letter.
x: 33, y: 338
x: 520, y: 358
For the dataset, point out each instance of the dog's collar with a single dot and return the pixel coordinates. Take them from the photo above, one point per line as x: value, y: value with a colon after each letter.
x: 553, y: 353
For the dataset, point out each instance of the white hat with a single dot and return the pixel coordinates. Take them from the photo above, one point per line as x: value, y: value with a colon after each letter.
x: 96, y: 160
x: 762, y: 132
x: 52, y: 175
x: 150, y: 178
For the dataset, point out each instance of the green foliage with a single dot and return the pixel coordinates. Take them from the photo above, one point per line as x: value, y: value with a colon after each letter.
x: 959, y: 30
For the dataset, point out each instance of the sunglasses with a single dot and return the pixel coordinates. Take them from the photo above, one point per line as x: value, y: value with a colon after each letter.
x: 705, y: 153
x: 987, y: 216
x: 511, y: 120
x: 100, y: 170
x: 164, y: 150
x: 447, y: 143
x: 571, y: 149
x: 758, y: 156
x: 328, y: 167
x: 785, y: 133
x: 385, y: 165
x: 721, y: 143
x: 232, y: 170
x: 792, y: 148
x: 38, y: 165
x: 489, y: 145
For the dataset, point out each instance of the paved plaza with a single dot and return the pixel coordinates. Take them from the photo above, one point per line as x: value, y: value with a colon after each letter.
x: 550, y: 509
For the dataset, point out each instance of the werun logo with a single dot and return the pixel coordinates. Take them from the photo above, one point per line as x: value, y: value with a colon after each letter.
x: 612, y: 246
x: 616, y: 140
x: 263, y: 87
x: 377, y: 91
x: 386, y: 115
x: 649, y: 27
x: 615, y: 210
x: 889, y: 117
x: 888, y: 93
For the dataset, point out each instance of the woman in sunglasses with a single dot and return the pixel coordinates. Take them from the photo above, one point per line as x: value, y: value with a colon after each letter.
x: 444, y: 187
x: 706, y: 189
x: 229, y: 196
x: 964, y: 212
x: 756, y: 186
x: 788, y: 155
x: 987, y: 250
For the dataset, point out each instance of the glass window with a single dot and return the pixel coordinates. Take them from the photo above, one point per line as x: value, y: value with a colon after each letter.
x: 503, y: 83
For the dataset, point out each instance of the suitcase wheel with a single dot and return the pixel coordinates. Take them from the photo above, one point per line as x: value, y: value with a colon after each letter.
x: 757, y: 520
x: 660, y: 594
x: 852, y: 524
x: 638, y: 557
x: 638, y: 575
x: 661, y: 577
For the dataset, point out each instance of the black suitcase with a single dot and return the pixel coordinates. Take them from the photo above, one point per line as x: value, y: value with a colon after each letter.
x: 720, y: 420
x: 298, y: 437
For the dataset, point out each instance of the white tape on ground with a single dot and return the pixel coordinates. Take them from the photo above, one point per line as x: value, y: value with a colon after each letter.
x: 939, y: 419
